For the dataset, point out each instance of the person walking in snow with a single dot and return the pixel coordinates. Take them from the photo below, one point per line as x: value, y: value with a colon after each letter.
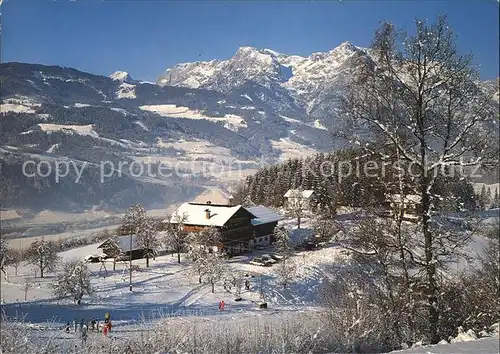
x: 84, y: 333
x: 221, y: 305
x: 82, y: 323
x: 68, y: 325
x: 247, y: 284
x: 75, y: 325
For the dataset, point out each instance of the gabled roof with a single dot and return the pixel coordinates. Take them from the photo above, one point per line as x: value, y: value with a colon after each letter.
x: 264, y: 215
x: 123, y: 242
x: 297, y: 193
x: 196, y: 215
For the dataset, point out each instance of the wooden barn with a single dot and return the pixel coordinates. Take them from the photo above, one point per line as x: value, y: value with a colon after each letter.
x: 120, y: 248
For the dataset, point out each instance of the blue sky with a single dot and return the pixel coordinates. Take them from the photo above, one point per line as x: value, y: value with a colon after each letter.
x: 146, y: 37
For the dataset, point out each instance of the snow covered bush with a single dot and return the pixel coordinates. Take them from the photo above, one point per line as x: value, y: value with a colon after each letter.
x: 472, y: 299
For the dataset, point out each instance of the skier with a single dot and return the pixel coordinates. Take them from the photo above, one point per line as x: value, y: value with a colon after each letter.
x: 82, y: 323
x: 75, y: 325
x: 68, y: 325
x: 92, y: 324
x: 84, y: 334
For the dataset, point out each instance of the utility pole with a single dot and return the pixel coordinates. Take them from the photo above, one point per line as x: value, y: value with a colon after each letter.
x: 130, y: 264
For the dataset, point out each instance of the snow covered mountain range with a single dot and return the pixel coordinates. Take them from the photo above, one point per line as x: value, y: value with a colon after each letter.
x: 306, y: 85
x: 257, y: 106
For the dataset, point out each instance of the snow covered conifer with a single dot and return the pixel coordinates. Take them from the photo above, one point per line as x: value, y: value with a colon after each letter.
x: 496, y: 202
x: 43, y: 255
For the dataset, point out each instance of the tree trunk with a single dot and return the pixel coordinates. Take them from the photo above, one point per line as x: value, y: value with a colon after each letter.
x: 430, y: 269
x: 298, y: 222
x: 213, y: 286
x: 430, y: 266
x: 199, y: 279
x: 114, y: 263
x: 41, y: 267
x: 179, y: 256
x: 147, y: 261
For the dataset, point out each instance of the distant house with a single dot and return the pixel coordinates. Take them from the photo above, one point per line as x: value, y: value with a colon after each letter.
x: 409, y: 203
x: 296, y: 198
x: 264, y: 223
x: 121, y: 248
x: 241, y: 228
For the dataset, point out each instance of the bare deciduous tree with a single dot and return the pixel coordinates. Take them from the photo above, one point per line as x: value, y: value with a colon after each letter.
x: 214, y: 268
x: 16, y: 257
x: 420, y: 98
x: 296, y: 206
x: 28, y: 284
x: 73, y: 281
x: 43, y: 255
x: 175, y: 237
x: 4, y: 255
x: 286, y: 272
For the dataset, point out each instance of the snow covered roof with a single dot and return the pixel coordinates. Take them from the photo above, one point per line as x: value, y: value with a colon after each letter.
x: 196, y: 214
x: 409, y: 199
x: 264, y: 215
x: 297, y: 193
x: 123, y: 242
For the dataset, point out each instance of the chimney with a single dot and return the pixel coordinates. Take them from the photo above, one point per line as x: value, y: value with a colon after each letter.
x: 230, y: 200
x: 207, y: 213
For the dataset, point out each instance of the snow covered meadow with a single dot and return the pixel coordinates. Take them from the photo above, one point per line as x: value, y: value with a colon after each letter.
x: 169, y: 309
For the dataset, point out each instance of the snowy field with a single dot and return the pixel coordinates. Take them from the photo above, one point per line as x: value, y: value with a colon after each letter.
x: 168, y: 292
x: 230, y: 121
x: 165, y: 288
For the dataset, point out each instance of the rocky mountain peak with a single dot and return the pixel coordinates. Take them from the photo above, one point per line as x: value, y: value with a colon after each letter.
x: 122, y: 76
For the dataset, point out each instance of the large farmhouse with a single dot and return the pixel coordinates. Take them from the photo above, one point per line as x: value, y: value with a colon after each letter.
x: 241, y: 228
